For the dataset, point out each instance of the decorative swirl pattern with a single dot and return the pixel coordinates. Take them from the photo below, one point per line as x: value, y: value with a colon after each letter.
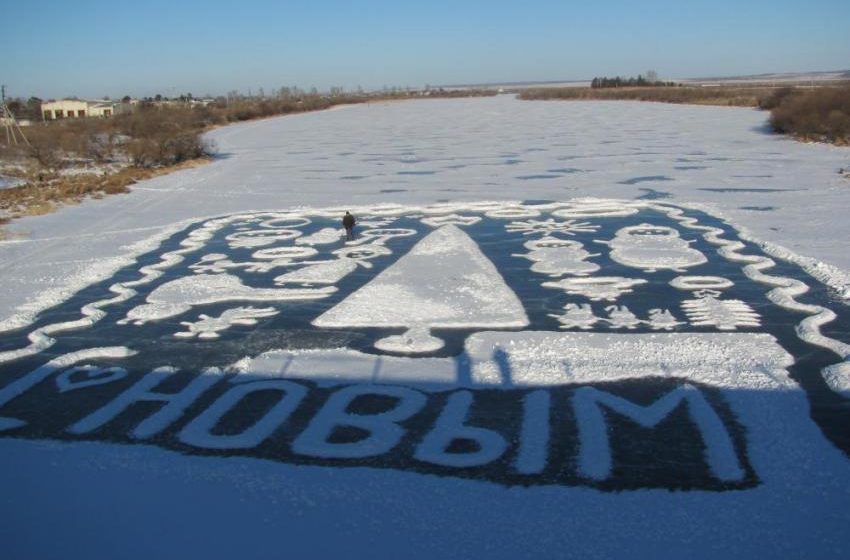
x: 783, y: 294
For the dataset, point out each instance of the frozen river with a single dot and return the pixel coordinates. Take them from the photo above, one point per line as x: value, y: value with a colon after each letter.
x: 459, y: 150
x: 634, y: 361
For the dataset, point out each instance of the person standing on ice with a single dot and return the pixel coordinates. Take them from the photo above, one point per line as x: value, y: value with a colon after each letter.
x: 348, y: 223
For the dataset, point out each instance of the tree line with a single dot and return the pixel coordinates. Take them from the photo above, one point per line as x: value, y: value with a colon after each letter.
x: 640, y: 81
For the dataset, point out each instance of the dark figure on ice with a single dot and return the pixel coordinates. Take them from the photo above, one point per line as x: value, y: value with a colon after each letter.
x: 348, y: 223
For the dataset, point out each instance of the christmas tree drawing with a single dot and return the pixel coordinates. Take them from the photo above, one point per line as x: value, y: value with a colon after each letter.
x: 724, y: 314
x: 445, y: 281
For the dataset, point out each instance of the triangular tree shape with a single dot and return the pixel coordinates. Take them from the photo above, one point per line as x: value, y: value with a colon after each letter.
x: 445, y: 281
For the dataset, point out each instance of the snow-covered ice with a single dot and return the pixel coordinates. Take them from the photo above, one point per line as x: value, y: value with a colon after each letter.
x: 470, y: 473
x: 781, y: 191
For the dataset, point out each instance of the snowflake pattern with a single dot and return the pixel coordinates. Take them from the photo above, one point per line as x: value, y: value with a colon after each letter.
x: 453, y: 219
x: 550, y: 226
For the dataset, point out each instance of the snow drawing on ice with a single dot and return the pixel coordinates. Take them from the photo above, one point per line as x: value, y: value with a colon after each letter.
x: 550, y: 226
x: 380, y: 236
x: 329, y: 272
x: 178, y: 296
x: 210, y: 327
x: 260, y: 238
x: 362, y: 254
x: 443, y: 282
x: 662, y: 319
x: 89, y: 376
x: 324, y: 236
x: 577, y: 316
x: 284, y: 255
x: 652, y: 248
x: 375, y: 222
x: 597, y: 288
x: 726, y: 315
x: 283, y: 222
x: 512, y: 212
x: 451, y: 219
x: 470, y: 340
x: 595, y: 209
x: 556, y: 257
x: 595, y: 455
x: 619, y: 317
x: 698, y: 283
x: 267, y: 260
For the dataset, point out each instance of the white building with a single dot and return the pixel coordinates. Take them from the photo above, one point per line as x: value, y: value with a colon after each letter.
x: 8, y: 121
x: 77, y: 109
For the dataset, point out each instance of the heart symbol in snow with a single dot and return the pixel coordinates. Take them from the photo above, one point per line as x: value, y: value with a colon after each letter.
x: 90, y: 376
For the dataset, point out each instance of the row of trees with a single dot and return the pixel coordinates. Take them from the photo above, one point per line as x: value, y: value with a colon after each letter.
x: 651, y: 80
x: 25, y: 109
x: 30, y: 109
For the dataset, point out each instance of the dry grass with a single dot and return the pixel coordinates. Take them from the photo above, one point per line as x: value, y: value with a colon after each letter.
x: 821, y: 114
x: 723, y: 96
x: 41, y: 197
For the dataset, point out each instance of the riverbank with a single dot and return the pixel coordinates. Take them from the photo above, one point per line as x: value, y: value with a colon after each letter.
x: 808, y: 114
x: 719, y: 96
x: 71, y: 160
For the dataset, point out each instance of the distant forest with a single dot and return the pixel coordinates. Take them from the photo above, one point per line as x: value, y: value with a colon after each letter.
x: 616, y: 82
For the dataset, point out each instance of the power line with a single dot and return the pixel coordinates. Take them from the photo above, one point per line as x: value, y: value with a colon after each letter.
x: 10, y: 124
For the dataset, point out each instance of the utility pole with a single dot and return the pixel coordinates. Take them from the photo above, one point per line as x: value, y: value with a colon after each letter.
x: 10, y: 124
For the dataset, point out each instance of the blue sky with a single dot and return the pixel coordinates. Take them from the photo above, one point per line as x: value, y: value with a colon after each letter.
x: 95, y: 48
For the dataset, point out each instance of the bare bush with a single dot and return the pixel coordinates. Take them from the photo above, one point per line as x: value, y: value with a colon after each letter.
x: 100, y: 147
x: 818, y: 114
x: 143, y: 152
x: 46, y: 151
x: 730, y: 96
x: 776, y: 97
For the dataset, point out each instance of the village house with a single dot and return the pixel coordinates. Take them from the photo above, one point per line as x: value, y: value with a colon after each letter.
x: 77, y: 109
